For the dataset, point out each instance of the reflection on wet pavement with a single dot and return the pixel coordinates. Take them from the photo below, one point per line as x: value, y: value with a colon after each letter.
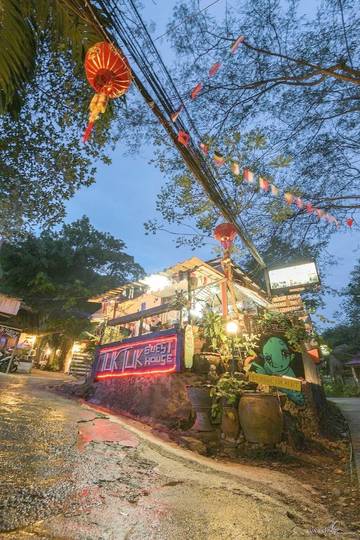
x: 36, y: 454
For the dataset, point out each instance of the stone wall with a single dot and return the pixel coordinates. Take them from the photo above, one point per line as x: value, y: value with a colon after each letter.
x: 155, y: 398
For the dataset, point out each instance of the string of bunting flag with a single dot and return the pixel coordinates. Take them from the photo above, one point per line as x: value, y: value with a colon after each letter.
x: 248, y: 175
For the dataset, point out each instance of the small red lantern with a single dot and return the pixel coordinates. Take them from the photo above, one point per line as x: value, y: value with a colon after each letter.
x: 225, y: 233
x: 108, y: 72
x: 349, y: 222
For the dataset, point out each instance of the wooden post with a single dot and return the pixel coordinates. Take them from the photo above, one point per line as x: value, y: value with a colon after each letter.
x: 188, y: 273
x: 224, y: 299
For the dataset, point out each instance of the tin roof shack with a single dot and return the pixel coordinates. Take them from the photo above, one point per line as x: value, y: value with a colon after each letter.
x: 140, y: 366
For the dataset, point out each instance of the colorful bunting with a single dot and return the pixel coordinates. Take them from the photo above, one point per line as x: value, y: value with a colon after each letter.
x: 248, y: 175
x: 183, y: 138
x: 196, y: 90
x: 235, y: 168
x: 309, y: 208
x: 219, y: 159
x: 175, y: 115
x: 214, y: 69
x: 299, y: 203
x: 204, y: 148
x: 274, y: 190
x: 264, y: 184
x: 289, y: 197
x: 236, y: 44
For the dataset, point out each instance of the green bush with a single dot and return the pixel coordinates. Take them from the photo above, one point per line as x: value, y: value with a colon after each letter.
x: 338, y: 389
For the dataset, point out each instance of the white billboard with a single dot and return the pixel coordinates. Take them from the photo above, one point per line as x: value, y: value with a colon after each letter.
x: 290, y: 277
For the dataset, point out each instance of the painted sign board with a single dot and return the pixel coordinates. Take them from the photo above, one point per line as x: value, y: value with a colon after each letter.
x: 294, y: 276
x: 151, y: 354
x: 274, y: 380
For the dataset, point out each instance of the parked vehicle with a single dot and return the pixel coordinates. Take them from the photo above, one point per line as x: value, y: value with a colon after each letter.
x: 4, y: 362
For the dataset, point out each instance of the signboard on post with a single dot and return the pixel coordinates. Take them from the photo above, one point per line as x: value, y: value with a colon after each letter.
x: 151, y: 354
x: 295, y: 277
x: 274, y: 380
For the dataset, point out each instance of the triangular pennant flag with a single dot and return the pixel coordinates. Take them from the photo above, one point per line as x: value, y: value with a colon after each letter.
x: 174, y: 115
x: 263, y: 184
x: 214, y: 69
x: 204, y: 148
x: 235, y: 168
x: 320, y: 213
x: 274, y: 190
x: 248, y: 175
x: 309, y: 208
x: 237, y: 42
x: 196, y: 90
x: 219, y: 159
x: 299, y: 203
x: 183, y: 138
x: 289, y: 197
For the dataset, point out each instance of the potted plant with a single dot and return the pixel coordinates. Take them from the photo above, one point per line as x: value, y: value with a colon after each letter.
x: 226, y: 394
x: 216, y: 346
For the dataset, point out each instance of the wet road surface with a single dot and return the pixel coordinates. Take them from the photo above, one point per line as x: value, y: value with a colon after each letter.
x: 69, y: 472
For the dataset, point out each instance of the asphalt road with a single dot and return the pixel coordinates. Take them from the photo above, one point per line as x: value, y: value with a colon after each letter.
x: 69, y: 472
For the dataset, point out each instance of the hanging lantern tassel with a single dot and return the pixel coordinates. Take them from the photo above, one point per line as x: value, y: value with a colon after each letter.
x: 108, y: 73
x: 97, y: 106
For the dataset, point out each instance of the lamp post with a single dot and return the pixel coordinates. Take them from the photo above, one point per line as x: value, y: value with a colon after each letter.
x: 232, y: 329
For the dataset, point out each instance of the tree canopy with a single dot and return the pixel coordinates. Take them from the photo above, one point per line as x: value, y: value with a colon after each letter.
x: 44, y: 99
x: 285, y: 106
x: 56, y: 273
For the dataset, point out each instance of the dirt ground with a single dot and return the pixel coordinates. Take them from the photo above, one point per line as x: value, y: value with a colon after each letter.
x: 69, y: 472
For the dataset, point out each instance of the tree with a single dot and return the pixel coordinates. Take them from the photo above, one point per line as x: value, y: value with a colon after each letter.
x: 348, y: 331
x: 293, y: 88
x: 44, y: 98
x: 57, y: 272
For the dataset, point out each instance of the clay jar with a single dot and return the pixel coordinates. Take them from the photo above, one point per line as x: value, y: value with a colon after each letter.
x: 261, y: 418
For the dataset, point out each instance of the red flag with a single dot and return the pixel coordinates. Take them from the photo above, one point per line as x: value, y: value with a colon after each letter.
x: 309, y: 208
x: 349, y: 222
x: 264, y: 184
x: 248, y: 175
x: 236, y: 44
x: 196, y: 90
x: 214, y: 69
x: 183, y: 138
x: 175, y: 114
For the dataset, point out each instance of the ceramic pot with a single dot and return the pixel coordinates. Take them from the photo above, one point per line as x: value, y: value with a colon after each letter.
x: 261, y: 418
x: 200, y: 399
x: 230, y: 424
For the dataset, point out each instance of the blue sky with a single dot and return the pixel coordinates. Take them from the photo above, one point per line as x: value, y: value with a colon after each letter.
x: 123, y: 197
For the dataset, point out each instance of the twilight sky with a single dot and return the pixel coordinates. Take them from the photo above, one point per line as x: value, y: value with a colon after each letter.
x: 123, y: 197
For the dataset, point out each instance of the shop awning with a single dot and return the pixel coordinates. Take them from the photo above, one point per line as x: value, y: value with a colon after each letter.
x: 151, y: 312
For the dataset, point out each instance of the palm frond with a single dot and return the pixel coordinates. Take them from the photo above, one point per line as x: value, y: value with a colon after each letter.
x: 23, y: 23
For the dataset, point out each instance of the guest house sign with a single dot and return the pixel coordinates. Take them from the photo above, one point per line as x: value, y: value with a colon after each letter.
x: 151, y: 354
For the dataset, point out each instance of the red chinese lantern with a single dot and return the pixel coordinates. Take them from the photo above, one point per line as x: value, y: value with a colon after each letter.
x: 108, y: 72
x: 225, y: 233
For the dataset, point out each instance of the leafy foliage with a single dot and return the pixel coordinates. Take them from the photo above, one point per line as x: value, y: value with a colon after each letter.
x: 22, y: 28
x: 293, y: 328
x: 286, y: 106
x: 57, y: 272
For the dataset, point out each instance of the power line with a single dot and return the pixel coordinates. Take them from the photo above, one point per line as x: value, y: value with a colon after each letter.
x: 191, y: 154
